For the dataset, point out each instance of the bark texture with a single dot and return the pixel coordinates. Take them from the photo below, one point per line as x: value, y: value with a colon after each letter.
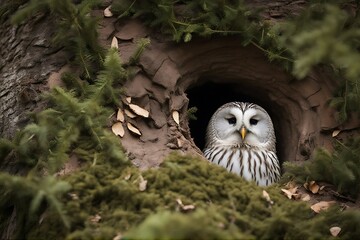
x: 27, y: 59
x: 204, y: 73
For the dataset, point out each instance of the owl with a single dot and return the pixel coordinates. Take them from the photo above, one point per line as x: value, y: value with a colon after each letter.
x: 240, y: 137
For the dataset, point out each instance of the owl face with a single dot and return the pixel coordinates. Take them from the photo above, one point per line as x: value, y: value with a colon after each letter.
x: 240, y: 123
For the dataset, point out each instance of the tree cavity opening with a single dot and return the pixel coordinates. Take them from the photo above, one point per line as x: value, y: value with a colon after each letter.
x: 208, y: 95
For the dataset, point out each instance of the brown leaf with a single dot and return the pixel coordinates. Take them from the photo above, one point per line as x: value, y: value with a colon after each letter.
x: 118, y: 236
x: 335, y: 133
x: 188, y: 207
x: 107, y: 12
x: 179, y: 143
x: 320, y: 206
x: 127, y: 177
x: 313, y: 187
x: 142, y: 184
x: 114, y: 43
x: 185, y: 207
x: 133, y: 129
x: 335, y: 231
x: 118, y: 129
x: 139, y: 110
x: 74, y: 196
x: 267, y: 197
x: 305, y: 197
x: 129, y: 114
x: 176, y: 117
x: 290, y: 193
x: 95, y: 219
x: 120, y: 115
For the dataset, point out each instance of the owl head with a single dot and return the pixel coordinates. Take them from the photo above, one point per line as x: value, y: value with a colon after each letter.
x: 241, y: 123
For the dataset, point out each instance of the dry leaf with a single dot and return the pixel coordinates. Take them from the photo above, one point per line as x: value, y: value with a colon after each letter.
x: 95, y: 219
x: 320, y: 206
x: 305, y: 197
x: 267, y: 197
x: 176, y: 117
x: 313, y: 187
x: 118, y: 236
x: 128, y: 100
x: 114, y: 43
x: 335, y: 133
x: 142, y: 184
x: 185, y: 207
x: 133, y: 129
x: 118, y: 129
x: 127, y: 177
x: 107, y: 12
x: 139, y: 110
x: 188, y: 207
x: 290, y: 193
x: 335, y: 231
x: 74, y: 196
x: 129, y: 114
x: 179, y: 143
x: 120, y: 116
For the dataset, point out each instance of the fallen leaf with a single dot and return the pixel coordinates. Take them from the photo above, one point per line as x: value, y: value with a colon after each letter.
x: 128, y: 100
x: 120, y: 115
x: 114, y: 43
x: 313, y: 187
x: 335, y: 231
x: 267, y: 197
x: 142, y: 184
x: 118, y: 236
x: 127, y: 177
x: 188, y: 207
x: 95, y: 219
x: 139, y: 110
x: 107, y: 12
x: 74, y: 196
x: 335, y: 133
x: 305, y: 197
x: 176, y: 117
x: 118, y: 129
x: 133, y: 129
x: 185, y: 207
x: 179, y: 143
x: 320, y: 206
x: 290, y: 193
x: 129, y: 114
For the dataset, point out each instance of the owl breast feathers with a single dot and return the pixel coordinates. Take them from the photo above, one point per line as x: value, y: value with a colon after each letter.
x: 240, y: 137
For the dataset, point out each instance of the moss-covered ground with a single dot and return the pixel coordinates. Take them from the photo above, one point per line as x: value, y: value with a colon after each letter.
x: 108, y: 202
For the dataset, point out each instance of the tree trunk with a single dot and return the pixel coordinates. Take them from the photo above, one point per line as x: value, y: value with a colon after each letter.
x: 203, y: 73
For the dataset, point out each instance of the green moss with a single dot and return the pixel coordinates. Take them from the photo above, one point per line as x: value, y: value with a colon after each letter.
x: 106, y: 201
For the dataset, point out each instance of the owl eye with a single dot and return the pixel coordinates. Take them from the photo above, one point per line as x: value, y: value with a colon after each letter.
x: 232, y: 120
x: 253, y: 121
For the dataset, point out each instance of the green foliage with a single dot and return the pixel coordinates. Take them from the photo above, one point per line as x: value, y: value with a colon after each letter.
x: 9, y: 7
x: 191, y: 113
x: 182, y: 19
x: 105, y: 202
x: 326, y: 34
x: 28, y: 196
x: 341, y: 168
x: 76, y: 30
x: 142, y: 43
x: 69, y: 126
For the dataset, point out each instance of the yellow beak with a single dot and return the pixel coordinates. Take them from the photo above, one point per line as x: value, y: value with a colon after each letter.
x: 243, y: 132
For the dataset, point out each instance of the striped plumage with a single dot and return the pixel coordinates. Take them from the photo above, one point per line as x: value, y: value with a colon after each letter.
x: 240, y: 137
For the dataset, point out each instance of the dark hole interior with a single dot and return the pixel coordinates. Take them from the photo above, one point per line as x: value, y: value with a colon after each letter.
x: 209, y: 96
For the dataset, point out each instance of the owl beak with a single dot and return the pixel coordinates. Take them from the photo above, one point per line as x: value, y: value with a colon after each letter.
x: 243, y: 132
